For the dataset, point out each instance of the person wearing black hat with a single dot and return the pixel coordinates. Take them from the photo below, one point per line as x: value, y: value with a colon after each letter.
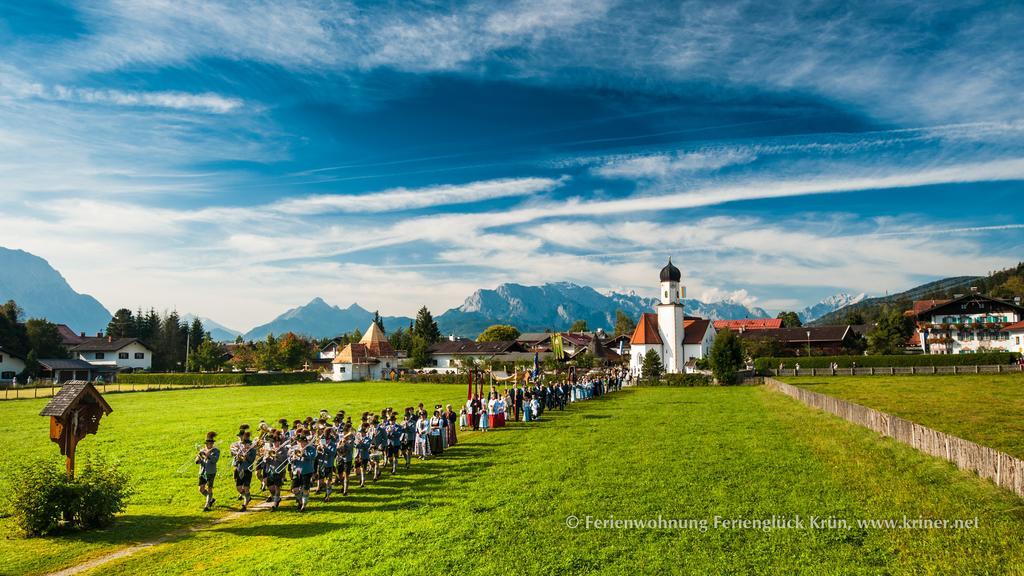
x: 207, y: 460
x: 243, y: 456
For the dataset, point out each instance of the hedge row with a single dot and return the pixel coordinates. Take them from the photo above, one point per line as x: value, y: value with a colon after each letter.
x: 436, y: 378
x: 219, y: 379
x: 681, y: 380
x: 897, y: 361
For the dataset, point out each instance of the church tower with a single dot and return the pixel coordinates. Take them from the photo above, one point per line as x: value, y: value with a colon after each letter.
x: 670, y: 318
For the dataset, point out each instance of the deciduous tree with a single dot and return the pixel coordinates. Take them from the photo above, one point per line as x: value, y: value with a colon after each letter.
x: 498, y: 333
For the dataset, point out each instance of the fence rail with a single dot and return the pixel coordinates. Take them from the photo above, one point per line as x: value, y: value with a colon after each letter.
x: 898, y: 370
x: 999, y: 467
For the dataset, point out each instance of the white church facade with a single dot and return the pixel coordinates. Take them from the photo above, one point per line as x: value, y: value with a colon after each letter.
x: 677, y: 339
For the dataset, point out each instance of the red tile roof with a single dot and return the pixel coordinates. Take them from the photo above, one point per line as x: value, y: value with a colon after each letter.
x: 749, y: 324
x: 646, y: 330
x: 1018, y: 327
x: 922, y: 305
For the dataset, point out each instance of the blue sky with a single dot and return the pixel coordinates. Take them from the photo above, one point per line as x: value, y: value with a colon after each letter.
x: 235, y: 160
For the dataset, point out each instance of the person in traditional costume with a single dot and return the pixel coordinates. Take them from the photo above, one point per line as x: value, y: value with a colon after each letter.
x: 207, y: 460
x: 450, y: 414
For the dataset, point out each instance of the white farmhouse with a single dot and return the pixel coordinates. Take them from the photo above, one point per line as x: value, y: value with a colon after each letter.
x: 124, y: 354
x: 372, y: 358
x: 10, y: 366
x: 967, y: 324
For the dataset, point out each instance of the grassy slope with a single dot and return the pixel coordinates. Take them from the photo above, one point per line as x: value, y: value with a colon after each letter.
x: 987, y: 408
x: 154, y: 433
x: 498, y: 503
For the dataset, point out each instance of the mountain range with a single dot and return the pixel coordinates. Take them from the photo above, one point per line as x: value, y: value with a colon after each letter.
x: 829, y: 305
x: 556, y: 306
x: 43, y: 293
x: 901, y: 299
x: 322, y: 320
x: 218, y: 332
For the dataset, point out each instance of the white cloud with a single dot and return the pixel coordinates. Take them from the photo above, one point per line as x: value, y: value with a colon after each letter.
x: 660, y: 166
x: 414, y: 198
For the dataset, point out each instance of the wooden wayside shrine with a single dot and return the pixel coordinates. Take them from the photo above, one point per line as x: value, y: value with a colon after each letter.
x: 74, y: 412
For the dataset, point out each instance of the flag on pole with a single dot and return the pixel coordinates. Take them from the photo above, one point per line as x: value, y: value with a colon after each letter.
x: 536, y: 365
x: 556, y: 345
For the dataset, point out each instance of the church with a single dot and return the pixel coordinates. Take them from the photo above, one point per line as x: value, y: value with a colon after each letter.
x: 678, y: 339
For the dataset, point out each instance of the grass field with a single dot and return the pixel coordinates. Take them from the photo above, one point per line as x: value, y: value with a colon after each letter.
x: 498, y: 503
x: 986, y: 408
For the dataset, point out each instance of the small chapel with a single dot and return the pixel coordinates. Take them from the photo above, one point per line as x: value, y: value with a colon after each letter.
x: 678, y: 339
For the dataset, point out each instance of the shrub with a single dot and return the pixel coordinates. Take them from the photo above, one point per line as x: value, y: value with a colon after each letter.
x: 679, y: 380
x: 43, y: 498
x: 763, y: 365
x: 104, y: 490
x: 219, y: 379
x: 436, y: 378
x: 40, y: 494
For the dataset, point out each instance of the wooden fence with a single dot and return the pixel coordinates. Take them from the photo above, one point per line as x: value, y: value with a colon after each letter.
x: 897, y: 370
x: 1003, y: 469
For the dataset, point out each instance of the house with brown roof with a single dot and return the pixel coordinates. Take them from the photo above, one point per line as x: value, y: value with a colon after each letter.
x: 372, y: 358
x: 818, y: 340
x: 448, y: 356
x: 749, y: 324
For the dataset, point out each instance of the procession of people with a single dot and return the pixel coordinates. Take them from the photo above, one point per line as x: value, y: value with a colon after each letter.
x: 323, y: 453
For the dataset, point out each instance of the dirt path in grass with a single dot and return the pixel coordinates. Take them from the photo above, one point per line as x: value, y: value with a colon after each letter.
x: 131, y: 550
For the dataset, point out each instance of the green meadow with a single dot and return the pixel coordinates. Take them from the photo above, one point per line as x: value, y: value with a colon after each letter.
x: 499, y: 502
x: 984, y: 408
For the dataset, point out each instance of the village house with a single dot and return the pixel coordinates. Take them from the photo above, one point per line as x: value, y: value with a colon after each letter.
x: 123, y: 354
x: 816, y: 340
x: 449, y: 356
x: 372, y: 358
x: 10, y: 366
x: 967, y: 324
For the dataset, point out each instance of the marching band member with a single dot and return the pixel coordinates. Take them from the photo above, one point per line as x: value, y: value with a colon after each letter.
x: 207, y: 460
x: 407, y: 437
x: 328, y: 453
x: 243, y: 455
x: 362, y: 447
x: 303, y: 457
x: 346, y: 447
x: 275, y: 462
x: 394, y: 442
x: 378, y: 443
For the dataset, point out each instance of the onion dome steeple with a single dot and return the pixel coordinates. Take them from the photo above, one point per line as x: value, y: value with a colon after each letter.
x: 670, y: 273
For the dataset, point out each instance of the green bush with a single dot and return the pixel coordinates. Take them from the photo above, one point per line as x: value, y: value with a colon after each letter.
x: 763, y: 365
x: 42, y: 497
x: 437, y: 378
x: 40, y: 493
x: 680, y: 380
x: 104, y: 490
x: 219, y: 379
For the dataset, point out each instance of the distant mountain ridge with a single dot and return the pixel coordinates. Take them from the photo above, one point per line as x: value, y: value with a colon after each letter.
x: 555, y: 306
x: 829, y: 305
x: 322, y: 320
x: 901, y: 298
x: 42, y: 292
x: 218, y: 331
